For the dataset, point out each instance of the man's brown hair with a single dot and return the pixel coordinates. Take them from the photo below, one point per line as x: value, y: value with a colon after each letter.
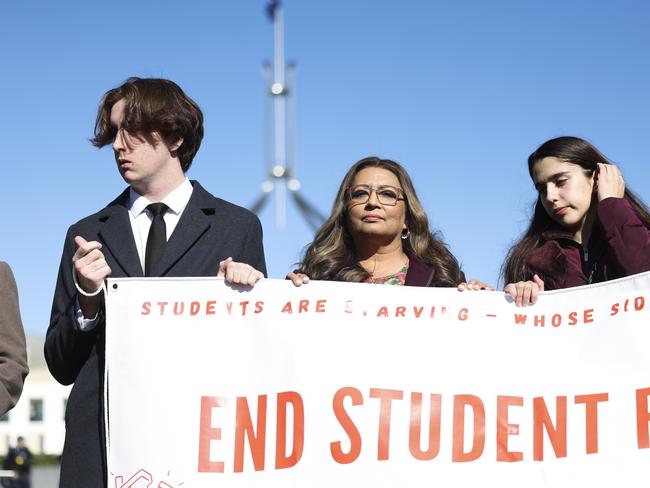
x: 153, y: 105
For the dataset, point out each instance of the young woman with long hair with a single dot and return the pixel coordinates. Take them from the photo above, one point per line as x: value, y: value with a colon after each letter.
x: 587, y: 226
x: 378, y: 232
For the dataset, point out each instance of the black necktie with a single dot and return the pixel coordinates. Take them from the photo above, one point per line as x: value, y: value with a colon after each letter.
x: 157, y: 236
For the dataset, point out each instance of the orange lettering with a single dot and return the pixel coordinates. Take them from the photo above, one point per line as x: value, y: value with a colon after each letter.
x: 591, y: 407
x: 208, y: 433
x: 520, y: 319
x: 639, y: 303
x: 385, y: 403
x: 504, y: 429
x: 282, y: 460
x: 458, y: 447
x: 542, y: 421
x: 243, y: 427
x: 642, y: 418
x: 416, y: 427
x: 346, y: 422
x: 463, y: 313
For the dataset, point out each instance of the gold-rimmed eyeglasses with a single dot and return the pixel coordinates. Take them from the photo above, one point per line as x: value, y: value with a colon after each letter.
x: 386, y: 194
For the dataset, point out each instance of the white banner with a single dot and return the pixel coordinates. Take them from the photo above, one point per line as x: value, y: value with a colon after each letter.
x: 339, y: 384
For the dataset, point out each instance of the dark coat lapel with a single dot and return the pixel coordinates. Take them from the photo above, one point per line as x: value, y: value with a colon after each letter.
x: 418, y: 274
x: 195, y: 221
x: 116, y: 233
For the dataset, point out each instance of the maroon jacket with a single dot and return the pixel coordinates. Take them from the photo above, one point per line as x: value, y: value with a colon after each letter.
x: 419, y: 273
x: 619, y: 246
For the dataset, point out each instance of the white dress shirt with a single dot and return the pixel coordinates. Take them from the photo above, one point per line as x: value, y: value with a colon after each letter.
x: 141, y: 219
x: 140, y: 223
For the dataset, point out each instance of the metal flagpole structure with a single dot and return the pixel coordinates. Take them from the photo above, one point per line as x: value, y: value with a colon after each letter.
x: 281, y: 178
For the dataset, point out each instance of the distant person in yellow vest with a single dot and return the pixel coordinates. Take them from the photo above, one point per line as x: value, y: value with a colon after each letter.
x: 19, y: 460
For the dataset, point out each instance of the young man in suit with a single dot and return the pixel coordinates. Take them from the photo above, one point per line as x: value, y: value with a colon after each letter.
x: 161, y: 225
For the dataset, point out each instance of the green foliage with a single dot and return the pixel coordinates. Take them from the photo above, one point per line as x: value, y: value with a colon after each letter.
x: 45, y: 460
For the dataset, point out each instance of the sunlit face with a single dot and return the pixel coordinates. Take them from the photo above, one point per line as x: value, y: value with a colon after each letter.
x: 373, y: 218
x: 564, y: 190
x: 141, y: 159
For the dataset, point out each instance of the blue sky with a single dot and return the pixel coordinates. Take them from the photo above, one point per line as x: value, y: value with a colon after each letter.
x: 459, y: 92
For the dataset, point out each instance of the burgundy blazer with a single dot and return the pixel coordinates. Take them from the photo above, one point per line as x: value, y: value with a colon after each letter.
x: 419, y: 273
x: 619, y: 246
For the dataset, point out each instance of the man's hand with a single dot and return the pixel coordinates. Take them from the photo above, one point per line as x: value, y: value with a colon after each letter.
x: 91, y: 269
x: 239, y: 273
x: 90, y: 265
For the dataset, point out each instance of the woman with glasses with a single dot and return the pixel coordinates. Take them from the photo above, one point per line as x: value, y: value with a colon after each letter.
x: 379, y: 233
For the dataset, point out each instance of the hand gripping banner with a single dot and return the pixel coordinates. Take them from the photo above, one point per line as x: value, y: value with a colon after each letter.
x: 340, y: 384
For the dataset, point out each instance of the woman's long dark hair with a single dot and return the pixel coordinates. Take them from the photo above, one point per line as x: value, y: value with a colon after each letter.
x: 331, y: 255
x: 571, y: 150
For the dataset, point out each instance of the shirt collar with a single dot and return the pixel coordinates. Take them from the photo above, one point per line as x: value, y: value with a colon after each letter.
x: 176, y: 200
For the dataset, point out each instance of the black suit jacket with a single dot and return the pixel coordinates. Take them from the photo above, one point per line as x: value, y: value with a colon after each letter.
x: 209, y: 231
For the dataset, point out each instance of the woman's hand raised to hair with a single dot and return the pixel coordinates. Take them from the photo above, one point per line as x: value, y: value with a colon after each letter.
x: 609, y: 182
x: 525, y: 292
x: 473, y: 285
x: 298, y: 279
